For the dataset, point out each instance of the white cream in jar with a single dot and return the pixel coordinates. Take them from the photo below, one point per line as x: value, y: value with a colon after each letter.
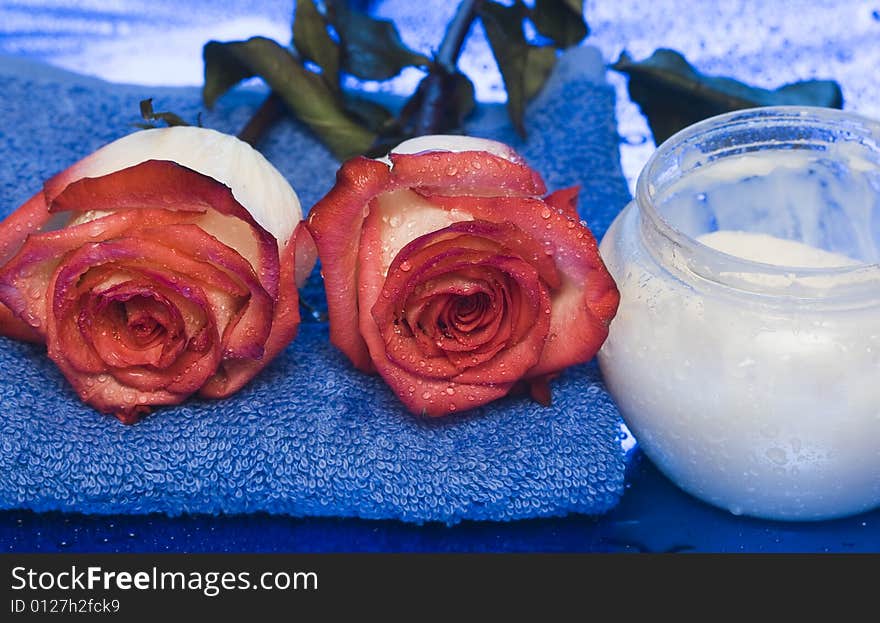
x: 745, y: 355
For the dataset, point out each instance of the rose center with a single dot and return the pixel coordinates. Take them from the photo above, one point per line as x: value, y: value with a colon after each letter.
x: 467, y: 311
x: 145, y: 329
x: 138, y: 316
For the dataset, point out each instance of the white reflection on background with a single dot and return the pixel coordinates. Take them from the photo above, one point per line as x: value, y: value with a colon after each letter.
x: 764, y: 42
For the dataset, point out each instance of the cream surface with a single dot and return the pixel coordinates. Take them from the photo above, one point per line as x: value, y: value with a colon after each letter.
x: 772, y: 250
x: 794, y: 195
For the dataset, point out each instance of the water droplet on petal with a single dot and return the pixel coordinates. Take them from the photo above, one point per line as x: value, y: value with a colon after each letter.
x: 545, y: 213
x: 450, y: 390
x: 405, y: 266
x: 426, y: 395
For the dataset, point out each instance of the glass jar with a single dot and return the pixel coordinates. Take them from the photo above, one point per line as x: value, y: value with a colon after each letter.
x: 755, y: 385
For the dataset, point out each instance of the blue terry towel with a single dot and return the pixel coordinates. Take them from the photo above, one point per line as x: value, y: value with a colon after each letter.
x: 310, y: 435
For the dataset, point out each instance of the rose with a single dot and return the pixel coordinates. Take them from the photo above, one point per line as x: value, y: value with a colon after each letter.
x: 449, y: 274
x: 148, y: 278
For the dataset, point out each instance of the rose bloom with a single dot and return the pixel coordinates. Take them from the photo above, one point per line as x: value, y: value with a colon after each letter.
x: 161, y: 265
x: 450, y: 273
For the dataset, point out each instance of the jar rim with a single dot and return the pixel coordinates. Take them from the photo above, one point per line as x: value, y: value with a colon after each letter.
x: 709, y: 257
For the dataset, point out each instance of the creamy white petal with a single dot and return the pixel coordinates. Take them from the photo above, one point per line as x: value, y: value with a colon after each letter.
x: 455, y: 143
x: 255, y: 182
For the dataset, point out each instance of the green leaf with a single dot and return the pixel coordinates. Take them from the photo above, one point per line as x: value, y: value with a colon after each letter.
x: 305, y: 93
x: 673, y: 95
x: 560, y: 20
x: 371, y: 48
x: 369, y: 113
x: 149, y: 115
x: 439, y: 105
x: 523, y: 67
x: 313, y: 42
x: 223, y: 70
x: 540, y: 62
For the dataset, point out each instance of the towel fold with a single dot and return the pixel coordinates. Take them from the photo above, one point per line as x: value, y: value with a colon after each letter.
x: 310, y: 435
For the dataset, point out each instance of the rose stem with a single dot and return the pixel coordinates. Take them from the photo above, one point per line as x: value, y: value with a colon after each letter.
x: 453, y: 39
x: 429, y: 116
x: 313, y: 311
x: 267, y: 114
